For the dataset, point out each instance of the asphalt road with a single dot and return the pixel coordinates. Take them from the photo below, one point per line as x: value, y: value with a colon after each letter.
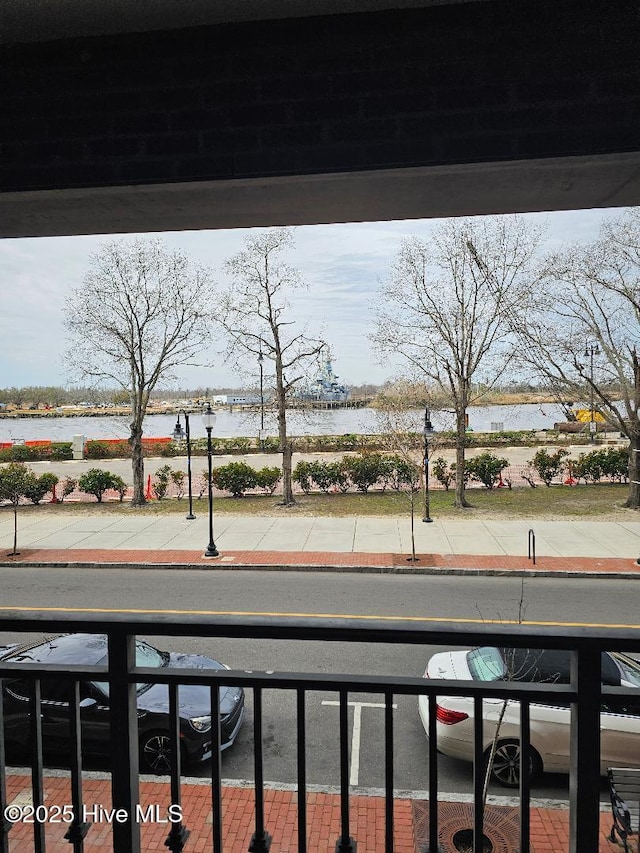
x: 446, y: 597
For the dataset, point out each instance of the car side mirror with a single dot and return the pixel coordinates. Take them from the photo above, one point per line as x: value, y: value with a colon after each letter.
x: 87, y: 703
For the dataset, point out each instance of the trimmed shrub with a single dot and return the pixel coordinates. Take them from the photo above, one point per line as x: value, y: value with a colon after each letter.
x: 548, y: 465
x: 341, y: 475
x: 442, y: 472
x: 615, y: 463
x: 589, y: 466
x: 302, y: 475
x: 236, y: 477
x: 365, y: 470
x: 22, y: 453
x: 404, y: 473
x: 178, y: 478
x: 61, y: 450
x: 119, y: 485
x: 323, y: 475
x: 68, y: 486
x: 161, y: 481
x: 96, y: 482
x: 390, y: 472
x: 96, y: 450
x: 486, y: 468
x: 268, y: 479
x: 611, y: 462
x: 39, y: 486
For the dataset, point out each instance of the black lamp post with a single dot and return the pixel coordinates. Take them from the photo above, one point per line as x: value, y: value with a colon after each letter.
x: 209, y: 419
x: 590, y: 351
x: 260, y: 360
x: 178, y: 435
x: 428, y: 433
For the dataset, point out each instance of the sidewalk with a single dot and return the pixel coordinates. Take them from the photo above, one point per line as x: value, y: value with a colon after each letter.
x: 378, y: 544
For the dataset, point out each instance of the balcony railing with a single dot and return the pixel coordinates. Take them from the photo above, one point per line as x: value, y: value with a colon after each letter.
x: 584, y: 694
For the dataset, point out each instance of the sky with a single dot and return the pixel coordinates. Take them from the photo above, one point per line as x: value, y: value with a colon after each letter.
x: 343, y: 264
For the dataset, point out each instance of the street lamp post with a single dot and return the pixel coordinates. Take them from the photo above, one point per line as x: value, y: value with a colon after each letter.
x: 209, y: 419
x: 428, y: 432
x: 178, y: 435
x: 590, y: 351
x: 260, y: 361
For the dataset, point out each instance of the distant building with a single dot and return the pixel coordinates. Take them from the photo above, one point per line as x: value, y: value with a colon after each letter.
x: 235, y: 400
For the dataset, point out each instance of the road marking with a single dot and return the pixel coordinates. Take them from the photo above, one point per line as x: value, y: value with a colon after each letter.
x: 354, y: 772
x: 354, y: 616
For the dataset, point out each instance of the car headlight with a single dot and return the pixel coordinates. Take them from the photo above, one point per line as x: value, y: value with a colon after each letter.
x: 200, y: 724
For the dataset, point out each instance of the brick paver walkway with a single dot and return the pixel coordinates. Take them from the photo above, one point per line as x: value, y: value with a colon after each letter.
x: 549, y: 827
x: 363, y: 561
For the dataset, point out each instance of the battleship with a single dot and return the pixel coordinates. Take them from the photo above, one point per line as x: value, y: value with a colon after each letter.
x: 325, y: 388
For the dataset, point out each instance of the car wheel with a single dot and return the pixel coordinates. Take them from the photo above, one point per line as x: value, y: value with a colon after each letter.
x: 506, y: 763
x: 155, y: 753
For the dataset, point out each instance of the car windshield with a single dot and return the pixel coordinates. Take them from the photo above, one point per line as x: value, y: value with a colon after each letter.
x: 629, y: 668
x: 486, y: 664
x: 145, y: 656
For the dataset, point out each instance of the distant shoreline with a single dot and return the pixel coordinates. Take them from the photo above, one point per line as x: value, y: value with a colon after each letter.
x: 27, y: 414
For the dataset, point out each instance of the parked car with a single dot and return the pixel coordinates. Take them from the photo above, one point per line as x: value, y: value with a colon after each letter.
x: 549, y: 724
x: 152, y: 702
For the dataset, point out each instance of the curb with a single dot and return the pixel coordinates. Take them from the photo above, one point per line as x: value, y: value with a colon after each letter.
x: 355, y: 569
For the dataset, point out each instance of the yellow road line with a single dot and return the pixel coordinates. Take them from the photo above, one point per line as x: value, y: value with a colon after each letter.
x: 357, y: 617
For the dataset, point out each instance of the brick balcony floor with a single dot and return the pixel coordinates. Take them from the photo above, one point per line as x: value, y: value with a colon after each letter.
x: 549, y: 827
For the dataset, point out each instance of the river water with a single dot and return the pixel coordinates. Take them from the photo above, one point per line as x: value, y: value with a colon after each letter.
x: 238, y: 423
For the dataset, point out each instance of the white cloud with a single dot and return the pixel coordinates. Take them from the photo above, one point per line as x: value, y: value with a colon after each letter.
x: 342, y: 263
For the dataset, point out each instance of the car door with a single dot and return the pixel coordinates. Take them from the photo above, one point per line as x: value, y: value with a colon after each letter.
x: 15, y: 703
x: 56, y: 717
x: 550, y: 735
x: 94, y: 719
x: 620, y: 735
x: 54, y: 714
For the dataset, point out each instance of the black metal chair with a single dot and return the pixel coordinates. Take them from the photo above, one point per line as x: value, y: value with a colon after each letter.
x: 624, y: 790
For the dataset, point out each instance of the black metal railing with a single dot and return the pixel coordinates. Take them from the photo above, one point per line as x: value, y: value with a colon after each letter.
x: 584, y: 694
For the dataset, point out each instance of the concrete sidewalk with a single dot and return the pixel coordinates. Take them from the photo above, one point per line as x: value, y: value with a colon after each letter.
x: 607, y: 548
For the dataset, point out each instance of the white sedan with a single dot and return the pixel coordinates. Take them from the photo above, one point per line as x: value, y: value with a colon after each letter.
x: 549, y: 725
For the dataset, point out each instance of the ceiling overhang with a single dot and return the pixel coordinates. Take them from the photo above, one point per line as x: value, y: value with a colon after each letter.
x: 25, y: 21
x: 534, y: 185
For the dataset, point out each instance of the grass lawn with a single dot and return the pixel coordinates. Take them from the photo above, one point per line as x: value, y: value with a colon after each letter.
x: 603, y: 501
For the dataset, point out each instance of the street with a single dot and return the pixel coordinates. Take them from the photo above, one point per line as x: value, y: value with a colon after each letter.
x: 450, y: 597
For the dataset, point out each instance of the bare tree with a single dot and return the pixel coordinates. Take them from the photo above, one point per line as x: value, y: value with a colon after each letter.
x: 446, y: 304
x: 255, y: 315
x: 400, y: 430
x: 584, y: 315
x: 140, y: 313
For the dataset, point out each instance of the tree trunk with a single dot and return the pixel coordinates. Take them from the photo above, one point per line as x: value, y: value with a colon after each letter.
x: 461, y: 427
x: 137, y: 464
x: 633, y: 500
x: 15, y: 530
x: 287, y: 484
x: 413, y: 532
x: 286, y: 447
